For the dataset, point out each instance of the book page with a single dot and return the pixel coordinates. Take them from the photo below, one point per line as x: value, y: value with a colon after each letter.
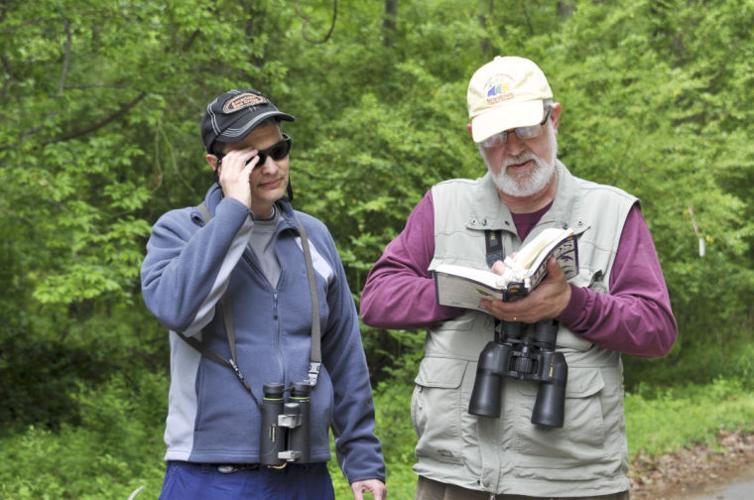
x: 487, y: 278
x: 565, y: 252
x: 527, y: 256
x: 457, y: 291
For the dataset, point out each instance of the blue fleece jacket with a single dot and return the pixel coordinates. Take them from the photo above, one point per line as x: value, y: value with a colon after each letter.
x: 188, y: 269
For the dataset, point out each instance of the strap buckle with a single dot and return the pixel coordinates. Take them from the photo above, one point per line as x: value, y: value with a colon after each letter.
x: 313, y: 373
x: 236, y: 369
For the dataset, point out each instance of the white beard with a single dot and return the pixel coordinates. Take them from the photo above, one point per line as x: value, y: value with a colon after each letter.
x: 539, y: 177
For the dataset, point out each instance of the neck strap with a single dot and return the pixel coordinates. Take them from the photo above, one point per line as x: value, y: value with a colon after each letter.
x: 225, y: 306
x: 494, y: 246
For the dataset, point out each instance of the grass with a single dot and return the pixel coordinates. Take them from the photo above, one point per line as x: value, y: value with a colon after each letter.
x: 117, y: 447
x: 664, y: 421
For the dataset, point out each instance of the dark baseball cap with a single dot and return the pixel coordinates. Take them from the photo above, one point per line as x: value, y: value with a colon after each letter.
x: 233, y: 115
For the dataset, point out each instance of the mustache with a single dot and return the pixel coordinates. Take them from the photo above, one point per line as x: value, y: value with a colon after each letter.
x: 520, y: 158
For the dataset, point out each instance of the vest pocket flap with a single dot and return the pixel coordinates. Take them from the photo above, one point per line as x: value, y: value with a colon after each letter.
x: 443, y: 373
x: 582, y: 383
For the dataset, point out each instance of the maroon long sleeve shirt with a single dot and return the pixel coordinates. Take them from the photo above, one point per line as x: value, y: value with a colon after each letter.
x: 634, y: 318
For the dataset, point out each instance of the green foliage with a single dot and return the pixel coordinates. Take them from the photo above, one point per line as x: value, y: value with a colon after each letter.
x: 112, y: 452
x: 41, y: 379
x: 39, y: 383
x: 666, y: 420
x: 720, y: 357
x: 99, y: 136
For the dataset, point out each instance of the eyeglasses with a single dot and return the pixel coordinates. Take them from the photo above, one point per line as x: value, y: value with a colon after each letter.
x: 524, y: 133
x: 277, y: 151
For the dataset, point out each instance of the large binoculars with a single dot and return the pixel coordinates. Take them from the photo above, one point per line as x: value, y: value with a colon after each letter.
x: 524, y: 357
x: 285, y: 425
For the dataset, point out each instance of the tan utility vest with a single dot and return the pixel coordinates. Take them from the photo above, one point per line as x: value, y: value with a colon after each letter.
x: 588, y: 456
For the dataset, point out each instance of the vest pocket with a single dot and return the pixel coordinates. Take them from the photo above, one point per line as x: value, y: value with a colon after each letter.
x: 436, y: 408
x: 577, y: 451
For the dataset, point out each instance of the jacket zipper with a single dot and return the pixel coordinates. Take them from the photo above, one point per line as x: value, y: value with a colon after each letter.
x: 249, y: 259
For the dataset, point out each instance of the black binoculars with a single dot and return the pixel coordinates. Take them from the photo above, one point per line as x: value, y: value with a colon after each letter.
x: 524, y: 357
x: 285, y: 425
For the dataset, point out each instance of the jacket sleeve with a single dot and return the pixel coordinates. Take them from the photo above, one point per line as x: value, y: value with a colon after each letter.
x: 635, y: 317
x: 358, y: 449
x: 399, y: 291
x: 187, y: 267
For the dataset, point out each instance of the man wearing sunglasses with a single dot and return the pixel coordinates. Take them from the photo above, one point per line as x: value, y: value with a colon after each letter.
x: 266, y: 354
x: 617, y: 303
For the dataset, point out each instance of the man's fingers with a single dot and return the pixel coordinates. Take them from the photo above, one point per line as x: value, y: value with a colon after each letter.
x: 241, y: 158
x: 247, y: 169
x: 498, y: 267
x: 358, y: 488
x: 498, y: 309
x: 374, y: 486
x: 238, y: 165
x: 554, y: 268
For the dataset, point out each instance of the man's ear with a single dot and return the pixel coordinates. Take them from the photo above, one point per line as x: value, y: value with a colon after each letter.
x: 468, y: 128
x: 212, y: 161
x: 555, y: 115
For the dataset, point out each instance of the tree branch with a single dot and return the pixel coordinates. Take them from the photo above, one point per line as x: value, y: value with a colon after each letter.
x: 389, y: 22
x: 66, y: 56
x: 124, y: 108
x: 526, y: 16
x: 306, y: 22
x: 11, y: 74
x: 190, y: 41
x: 485, y: 44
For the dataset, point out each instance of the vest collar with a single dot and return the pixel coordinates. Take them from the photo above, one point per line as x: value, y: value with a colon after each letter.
x: 488, y: 212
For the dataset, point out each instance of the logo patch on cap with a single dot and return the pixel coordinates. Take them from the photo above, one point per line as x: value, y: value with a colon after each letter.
x: 498, y: 89
x: 242, y: 101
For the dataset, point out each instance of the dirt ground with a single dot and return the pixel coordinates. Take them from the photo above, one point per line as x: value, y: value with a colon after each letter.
x: 678, y: 475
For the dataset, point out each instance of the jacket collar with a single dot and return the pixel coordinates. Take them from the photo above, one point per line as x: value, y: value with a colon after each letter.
x: 288, y: 218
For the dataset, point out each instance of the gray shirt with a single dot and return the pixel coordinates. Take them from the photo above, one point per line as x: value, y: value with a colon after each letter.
x: 264, y: 251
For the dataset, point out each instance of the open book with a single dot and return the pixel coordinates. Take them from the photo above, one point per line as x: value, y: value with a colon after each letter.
x: 460, y: 286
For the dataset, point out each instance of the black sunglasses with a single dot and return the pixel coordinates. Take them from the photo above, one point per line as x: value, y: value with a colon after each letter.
x: 277, y: 151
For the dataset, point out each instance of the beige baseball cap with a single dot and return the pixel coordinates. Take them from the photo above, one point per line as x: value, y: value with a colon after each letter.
x: 506, y: 93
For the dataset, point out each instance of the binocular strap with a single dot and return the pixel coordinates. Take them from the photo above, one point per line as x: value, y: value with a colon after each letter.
x: 315, y: 359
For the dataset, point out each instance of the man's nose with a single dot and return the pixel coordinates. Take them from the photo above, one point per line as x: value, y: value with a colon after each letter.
x: 269, y: 166
x: 514, y: 145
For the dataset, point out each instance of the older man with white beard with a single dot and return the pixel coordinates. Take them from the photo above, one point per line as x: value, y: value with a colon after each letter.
x: 617, y: 303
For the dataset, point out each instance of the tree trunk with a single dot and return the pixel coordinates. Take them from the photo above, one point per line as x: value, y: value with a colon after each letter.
x: 486, y: 44
x: 389, y: 22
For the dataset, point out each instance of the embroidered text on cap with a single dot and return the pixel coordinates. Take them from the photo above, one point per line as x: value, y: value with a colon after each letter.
x: 242, y: 101
x: 498, y: 89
